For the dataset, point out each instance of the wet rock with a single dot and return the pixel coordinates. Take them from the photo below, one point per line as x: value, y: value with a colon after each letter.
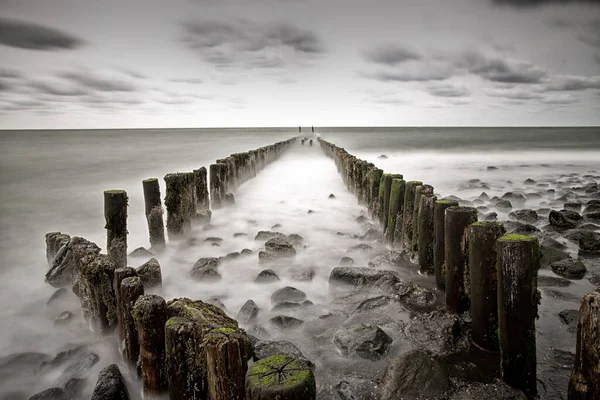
x: 361, y: 247
x: 50, y: 394
x: 287, y: 293
x: 543, y: 211
x: 367, y: 341
x: 363, y: 277
x: 524, y: 229
x: 68, y: 260
x: 239, y: 234
x: 215, y: 301
x: 589, y: 241
x: 514, y: 198
x: 528, y: 216
x: 231, y: 256
x: 276, y: 226
x: 280, y: 248
x: 267, y: 235
x: 63, y: 319
x: 414, y: 375
x: 372, y: 234
x: 415, y: 297
x: 246, y: 252
x: 361, y: 219
x: 57, y: 296
x: 592, y: 207
x: 595, y: 216
x: 533, y: 196
x: 484, y: 196
x: 264, y: 257
x: 491, y: 217
x: 248, y: 313
x: 503, y: 205
x: 439, y: 332
x: 595, y: 279
x: 550, y: 255
x: 310, y: 212
x: 573, y: 206
x: 20, y: 364
x: 284, y: 322
x: 332, y: 196
x: 382, y: 157
x: 266, y: 276
x: 560, y: 221
x: 213, y: 239
x: 75, y: 387
x: 553, y: 243
x: 552, y: 281
x: 346, y: 262
x: 392, y: 258
x: 303, y: 274
x: 572, y: 215
x: 110, y: 385
x: 205, y: 269
x: 150, y: 274
x: 141, y: 252
x: 569, y: 318
x: 203, y: 217
x: 569, y: 268
x: 295, y: 239
x: 214, y: 244
x: 480, y: 391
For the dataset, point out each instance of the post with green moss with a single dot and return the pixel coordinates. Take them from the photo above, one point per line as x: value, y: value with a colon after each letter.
x: 97, y: 275
x: 227, y: 363
x: 119, y: 275
x: 517, y: 266
x: 585, y: 377
x: 484, y: 284
x: 387, y: 188
x: 180, y: 203
x: 407, y: 215
x: 115, y: 214
x: 150, y: 313
x: 280, y: 377
x: 215, y: 186
x: 421, y: 190
x: 396, y: 207
x: 425, y: 234
x: 186, y: 379
x: 154, y: 213
x: 130, y: 290
x: 374, y: 180
x: 456, y: 257
x: 201, y: 194
x: 439, y: 217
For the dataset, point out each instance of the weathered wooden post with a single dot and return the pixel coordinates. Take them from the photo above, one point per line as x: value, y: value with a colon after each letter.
x: 131, y: 289
x: 150, y: 313
x: 439, y: 218
x: 119, y: 275
x: 201, y: 186
x: 115, y: 214
x: 280, y: 377
x: 425, y: 233
x: 186, y: 379
x: 585, y: 377
x: 154, y: 213
x: 374, y: 180
x: 396, y: 207
x: 421, y: 190
x: 484, y: 284
x: 387, y: 188
x: 226, y: 351
x: 408, y: 227
x: 179, y: 201
x: 456, y: 241
x: 97, y: 275
x: 215, y: 186
x: 517, y: 265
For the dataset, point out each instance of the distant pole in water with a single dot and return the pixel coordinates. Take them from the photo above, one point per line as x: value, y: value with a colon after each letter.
x: 313, y: 129
x: 300, y: 129
x: 310, y: 142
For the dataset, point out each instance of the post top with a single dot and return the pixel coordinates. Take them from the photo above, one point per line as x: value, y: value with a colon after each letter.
x: 513, y: 237
x: 115, y: 191
x: 446, y: 201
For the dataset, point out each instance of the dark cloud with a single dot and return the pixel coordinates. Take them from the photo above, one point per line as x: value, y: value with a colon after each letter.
x: 391, y: 54
x: 27, y: 35
x: 90, y: 80
x: 514, y: 94
x: 502, y: 70
x: 534, y: 3
x: 414, y: 73
x: 9, y: 73
x: 243, y: 43
x: 192, y: 81
x: 449, y: 90
x: 571, y: 83
x: 4, y: 86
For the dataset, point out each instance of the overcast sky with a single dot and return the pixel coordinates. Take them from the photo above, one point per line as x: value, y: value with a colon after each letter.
x: 207, y: 63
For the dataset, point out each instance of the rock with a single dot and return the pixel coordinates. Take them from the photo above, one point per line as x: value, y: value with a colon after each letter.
x: 54, y: 241
x: 141, y: 252
x: 276, y: 226
x: 215, y: 301
x: 560, y: 221
x: 203, y: 217
x: 363, y: 277
x: 248, y: 313
x: 491, y: 168
x: 524, y: 229
x: 528, y: 216
x: 414, y: 375
x: 367, y: 341
x: 491, y: 217
x: 150, y: 274
x: 361, y: 219
x: 57, y: 296
x: 213, y: 239
x: 68, y: 260
x: 415, y: 297
x: 110, y: 385
x: 303, y: 274
x: 246, y: 252
x: 214, y: 244
x: 589, y: 241
x: 63, y: 318
x: 439, y: 332
x: 239, y: 234
x: 496, y: 391
x: 284, y: 322
x: 332, y: 196
x: 229, y: 199
x: 591, y: 207
x: 569, y: 268
x: 19, y: 365
x: 514, y: 198
x: 573, y: 206
x: 346, y: 262
x: 569, y: 318
x: 287, y: 293
x: 552, y: 281
x: 266, y: 235
x: 295, y: 239
x: 50, y: 394
x: 286, y: 305
x: 231, y: 256
x: 553, y: 243
x: 572, y: 215
x: 593, y: 215
x: 280, y: 248
x: 264, y: 257
x: 361, y: 247
x: 550, y: 255
x: 75, y: 388
x: 205, y: 269
x: 503, y: 205
x: 484, y: 196
x: 382, y: 157
x: 595, y: 279
x: 372, y: 234
x: 310, y: 212
x: 266, y: 276
x: 529, y: 181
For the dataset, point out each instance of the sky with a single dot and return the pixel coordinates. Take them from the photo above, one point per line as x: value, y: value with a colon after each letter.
x: 85, y: 64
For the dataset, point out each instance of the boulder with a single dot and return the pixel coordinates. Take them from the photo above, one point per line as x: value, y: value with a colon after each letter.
x: 50, y: 394
x: 366, y: 341
x: 560, y: 221
x: 569, y: 318
x: 491, y: 217
x: 572, y: 215
x: 372, y: 234
x: 303, y: 274
x: 287, y: 293
x: 551, y: 254
x: 523, y: 229
x: 573, y: 206
x: 150, y: 274
x: 63, y: 319
x: 205, y: 269
x: 239, y: 234
x: 284, y: 322
x: 246, y: 252
x: 248, y: 313
x: 439, y: 332
x: 67, y: 263
x: 110, y: 385
x: 569, y: 268
x: 280, y: 248
x: 361, y: 247
x: 346, y: 262
x: 363, y: 277
x: 266, y: 276
x: 503, y: 205
x: 57, y: 296
x: 415, y: 375
x: 332, y: 196
x: 265, y: 258
x: 497, y: 390
x: 589, y: 241
x: 266, y: 235
x: 528, y: 216
x: 514, y: 198
x: 295, y: 239
x: 141, y: 252
x: 595, y: 279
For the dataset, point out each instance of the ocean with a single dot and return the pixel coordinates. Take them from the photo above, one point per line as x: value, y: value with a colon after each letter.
x: 54, y: 181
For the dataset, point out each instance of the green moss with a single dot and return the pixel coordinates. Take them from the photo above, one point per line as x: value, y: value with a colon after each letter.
x: 486, y: 223
x: 114, y: 191
x: 414, y: 183
x: 514, y: 237
x: 281, y: 370
x: 225, y: 330
x: 150, y: 180
x: 446, y: 201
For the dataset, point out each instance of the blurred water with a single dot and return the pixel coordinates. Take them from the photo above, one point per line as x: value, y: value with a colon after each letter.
x: 53, y: 181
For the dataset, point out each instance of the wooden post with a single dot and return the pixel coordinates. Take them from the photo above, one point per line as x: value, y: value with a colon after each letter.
x: 227, y: 364
x: 387, y: 188
x: 439, y: 218
x: 407, y: 216
x: 484, y: 284
x: 150, y: 313
x: 456, y: 241
x: 115, y: 213
x: 396, y: 207
x: 585, y: 377
x: 517, y: 265
x: 154, y: 213
x: 131, y: 289
x: 186, y: 379
x: 97, y: 277
x: 420, y: 190
x: 425, y: 234
x: 215, y: 186
x: 374, y: 180
x: 180, y: 203
x: 280, y: 377
x: 120, y: 274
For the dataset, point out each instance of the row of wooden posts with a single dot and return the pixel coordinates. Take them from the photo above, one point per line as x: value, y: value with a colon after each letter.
x: 190, y: 349
x: 481, y: 269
